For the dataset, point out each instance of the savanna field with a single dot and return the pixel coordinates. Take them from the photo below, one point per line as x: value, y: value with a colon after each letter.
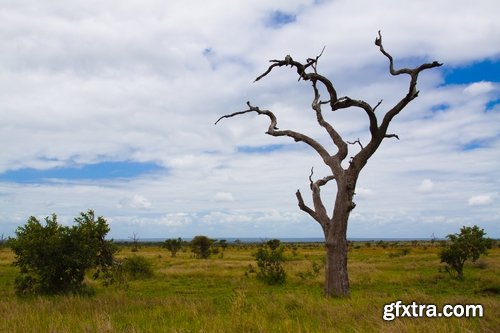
x: 222, y: 294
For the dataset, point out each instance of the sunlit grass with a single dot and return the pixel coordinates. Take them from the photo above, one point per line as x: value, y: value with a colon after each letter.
x: 219, y: 295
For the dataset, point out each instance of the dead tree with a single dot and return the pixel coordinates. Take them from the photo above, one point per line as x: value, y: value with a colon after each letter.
x: 335, y: 226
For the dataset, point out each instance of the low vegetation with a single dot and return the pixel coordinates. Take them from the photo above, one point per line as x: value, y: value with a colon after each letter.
x: 186, y: 294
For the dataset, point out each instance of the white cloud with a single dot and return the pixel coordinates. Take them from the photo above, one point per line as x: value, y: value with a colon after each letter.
x: 174, y: 220
x: 479, y: 88
x: 480, y: 200
x: 364, y: 192
x: 223, y: 197
x: 128, y: 81
x: 136, y: 201
x: 426, y: 186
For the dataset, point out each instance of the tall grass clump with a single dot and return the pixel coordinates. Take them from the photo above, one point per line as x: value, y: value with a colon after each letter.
x: 137, y: 267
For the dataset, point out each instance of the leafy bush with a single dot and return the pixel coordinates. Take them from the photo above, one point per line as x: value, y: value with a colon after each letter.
x: 137, y: 267
x: 469, y: 244
x: 173, y: 245
x: 54, y: 259
x: 269, y: 259
x: 201, y: 246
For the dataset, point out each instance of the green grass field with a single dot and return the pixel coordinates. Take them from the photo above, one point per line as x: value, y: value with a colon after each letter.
x: 219, y: 295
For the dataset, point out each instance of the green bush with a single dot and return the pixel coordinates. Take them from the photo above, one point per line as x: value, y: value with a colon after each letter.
x: 469, y: 244
x: 269, y: 259
x: 54, y: 259
x: 173, y: 245
x: 137, y: 267
x: 201, y: 246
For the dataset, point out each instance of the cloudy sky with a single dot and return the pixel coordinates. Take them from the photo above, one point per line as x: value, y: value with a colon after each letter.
x: 110, y: 105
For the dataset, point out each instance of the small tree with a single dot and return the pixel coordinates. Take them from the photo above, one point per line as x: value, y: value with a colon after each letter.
x: 269, y: 258
x: 54, y: 259
x: 135, y: 242
x: 201, y: 246
x: 469, y: 244
x: 223, y: 244
x: 173, y: 245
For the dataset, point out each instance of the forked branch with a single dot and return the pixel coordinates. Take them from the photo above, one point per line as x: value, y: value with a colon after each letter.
x: 319, y: 212
x: 414, y: 71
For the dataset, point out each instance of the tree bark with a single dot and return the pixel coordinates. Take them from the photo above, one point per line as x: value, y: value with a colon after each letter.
x: 335, y: 231
x: 336, y: 275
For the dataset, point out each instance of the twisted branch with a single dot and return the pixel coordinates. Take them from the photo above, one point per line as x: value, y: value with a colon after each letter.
x: 274, y: 131
x: 412, y: 89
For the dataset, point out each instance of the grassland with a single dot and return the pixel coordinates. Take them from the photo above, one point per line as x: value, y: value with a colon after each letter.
x: 220, y: 295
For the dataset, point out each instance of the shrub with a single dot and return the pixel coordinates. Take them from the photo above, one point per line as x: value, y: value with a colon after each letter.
x: 173, y: 245
x: 469, y: 244
x: 269, y: 259
x: 201, y: 246
x: 54, y: 259
x: 137, y: 267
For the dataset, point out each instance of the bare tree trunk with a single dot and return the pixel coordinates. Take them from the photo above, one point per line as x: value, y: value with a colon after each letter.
x: 336, y: 275
x: 335, y: 230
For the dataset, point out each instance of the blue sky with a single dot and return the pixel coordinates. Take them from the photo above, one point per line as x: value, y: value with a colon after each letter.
x: 103, y: 170
x: 484, y: 70
x: 111, y: 107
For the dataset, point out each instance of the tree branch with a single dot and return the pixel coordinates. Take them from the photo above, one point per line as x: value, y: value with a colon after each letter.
x: 273, y: 130
x: 380, y: 133
x: 320, y: 182
x: 251, y: 108
x: 346, y: 102
x: 319, y: 212
x: 301, y: 71
x: 354, y: 142
x: 304, y: 207
x: 334, y: 135
x: 412, y: 90
x: 376, y: 106
x: 391, y: 136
